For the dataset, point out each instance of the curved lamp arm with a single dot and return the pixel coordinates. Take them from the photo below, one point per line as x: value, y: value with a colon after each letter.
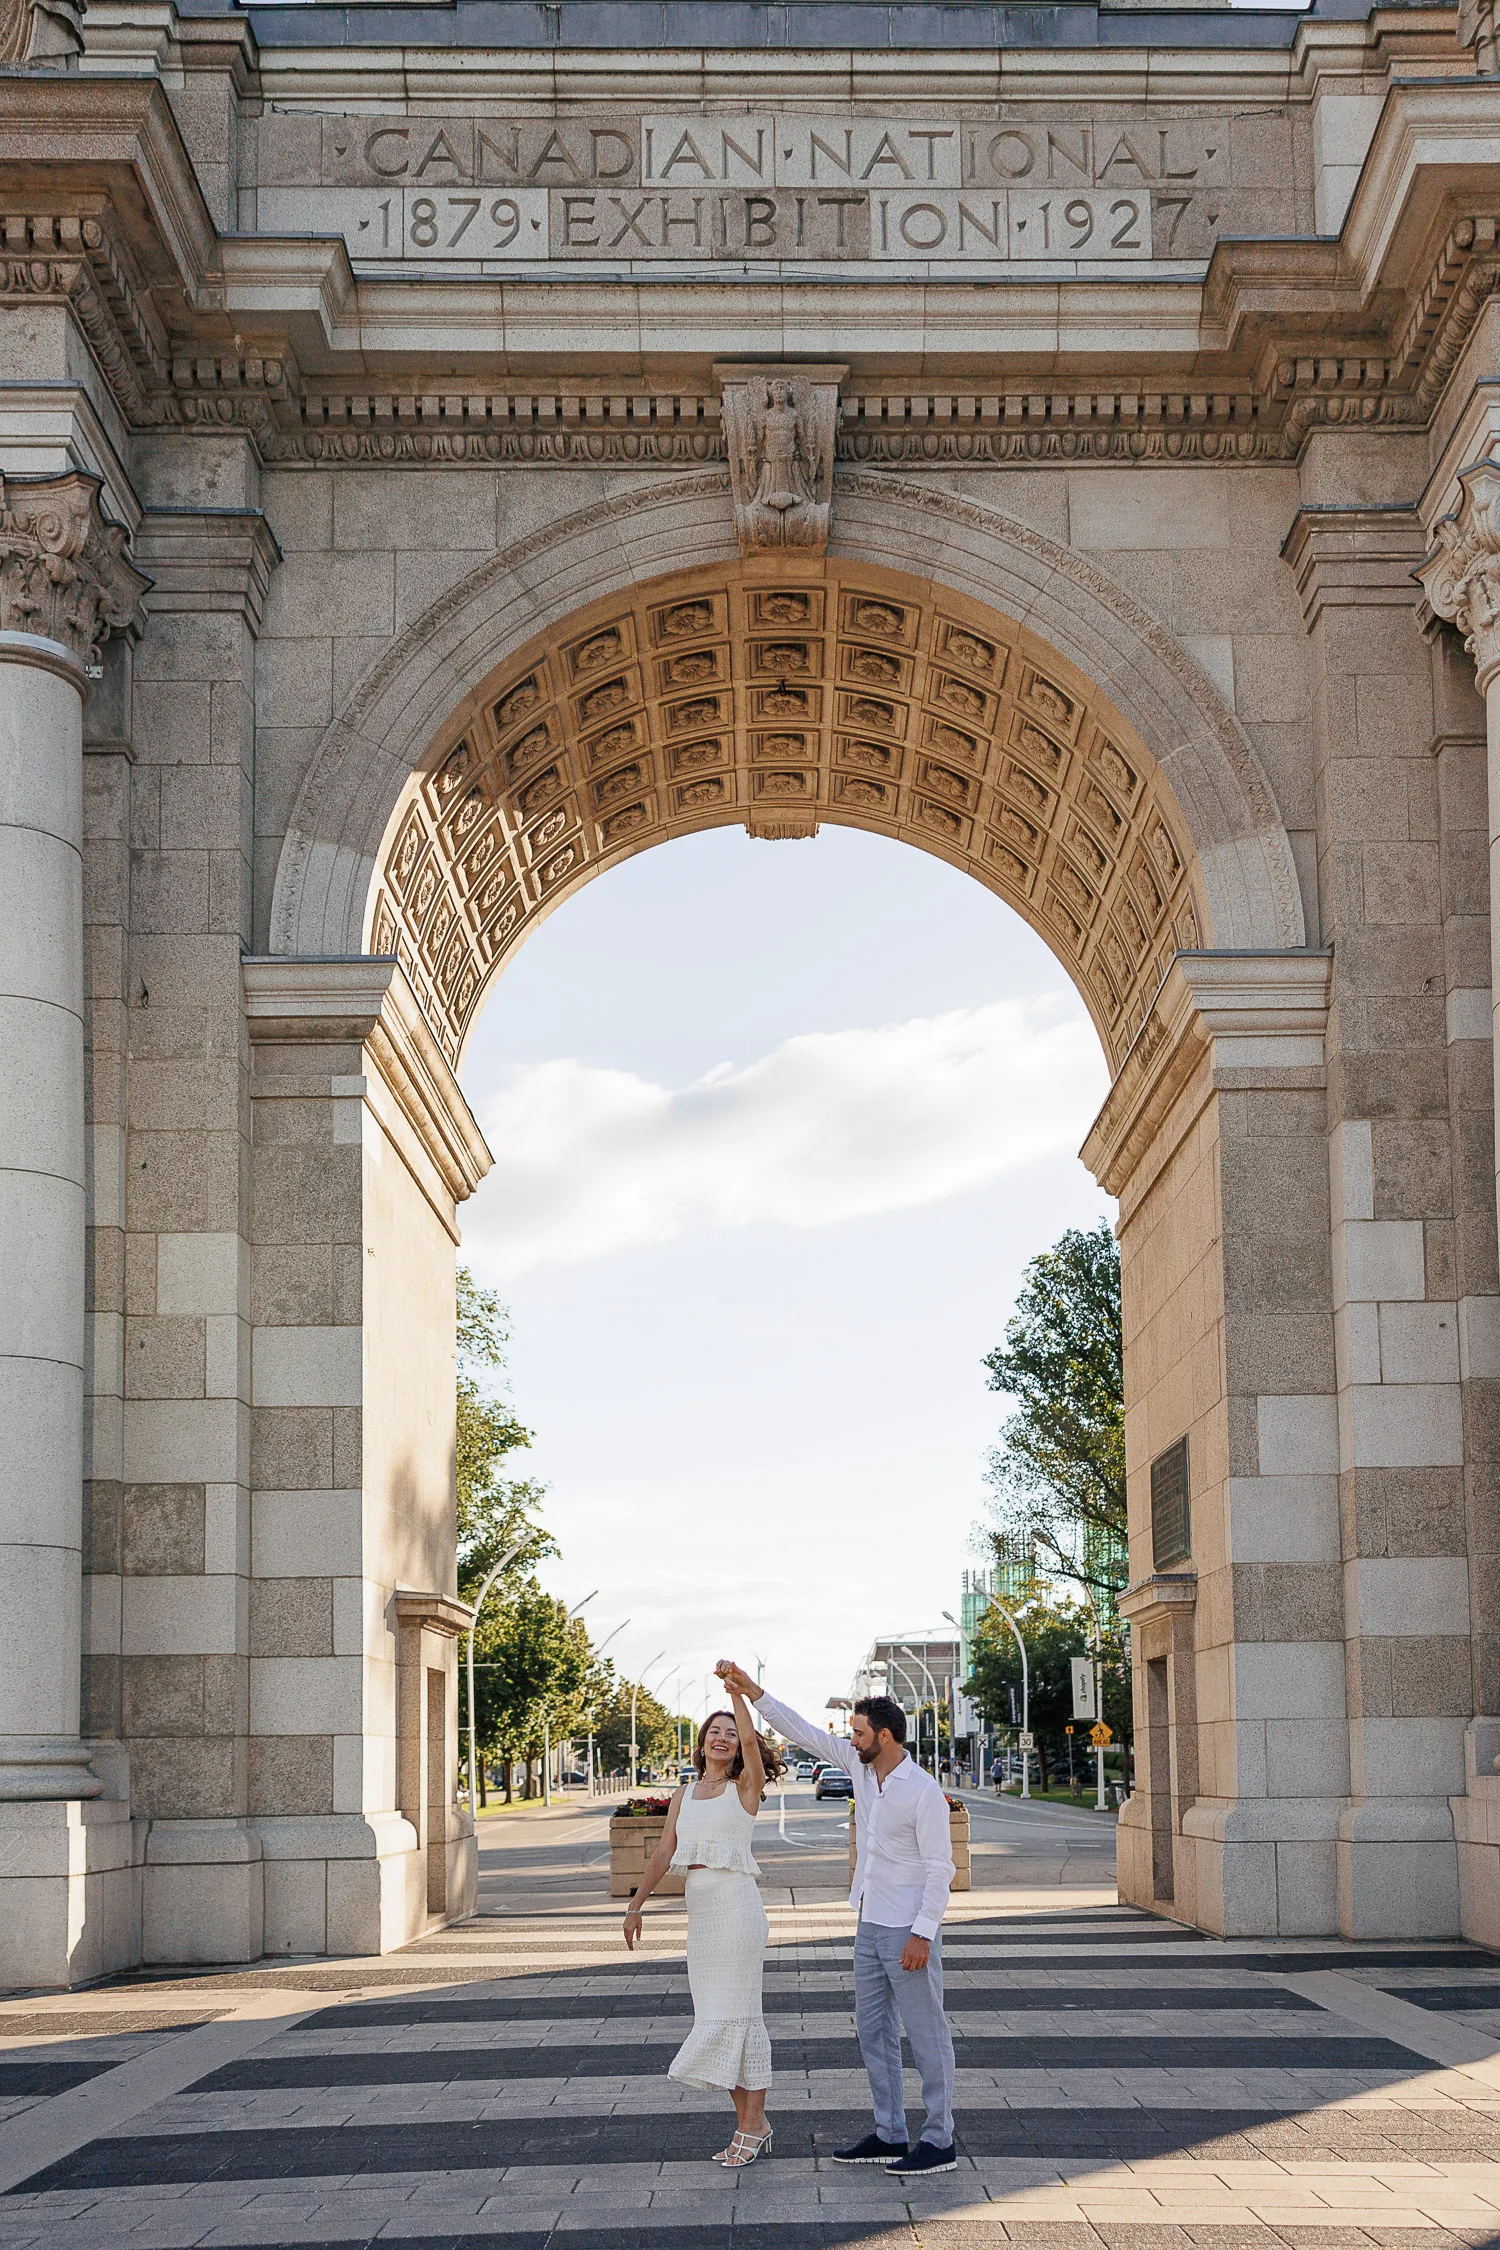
x: 502, y: 1565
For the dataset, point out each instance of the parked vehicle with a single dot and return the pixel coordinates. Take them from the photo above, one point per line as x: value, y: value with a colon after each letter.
x: 832, y: 1781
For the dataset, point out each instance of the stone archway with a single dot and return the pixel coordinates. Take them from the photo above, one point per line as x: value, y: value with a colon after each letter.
x: 626, y: 677
x: 1031, y: 595
x: 778, y: 700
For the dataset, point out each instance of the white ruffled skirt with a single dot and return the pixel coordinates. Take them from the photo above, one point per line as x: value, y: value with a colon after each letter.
x: 726, y: 1950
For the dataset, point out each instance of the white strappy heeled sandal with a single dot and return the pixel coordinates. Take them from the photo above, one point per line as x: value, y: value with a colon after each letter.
x: 744, y: 2149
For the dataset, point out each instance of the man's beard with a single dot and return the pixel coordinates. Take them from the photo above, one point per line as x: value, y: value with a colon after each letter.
x: 868, y: 1757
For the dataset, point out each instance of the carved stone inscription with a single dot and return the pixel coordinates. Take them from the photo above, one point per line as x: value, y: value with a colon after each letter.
x: 494, y: 190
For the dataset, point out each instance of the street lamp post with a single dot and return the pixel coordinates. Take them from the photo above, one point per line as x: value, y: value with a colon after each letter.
x: 957, y: 1691
x: 891, y: 1666
x: 503, y: 1564
x: 568, y: 1617
x: 599, y: 1651
x: 666, y: 1688
x: 996, y: 1603
x: 932, y: 1691
x: 635, y: 1689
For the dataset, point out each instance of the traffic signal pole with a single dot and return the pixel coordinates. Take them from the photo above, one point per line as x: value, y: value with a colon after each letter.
x: 1099, y: 1707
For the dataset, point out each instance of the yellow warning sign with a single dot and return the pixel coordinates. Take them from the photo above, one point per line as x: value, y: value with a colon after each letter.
x: 1101, y: 1734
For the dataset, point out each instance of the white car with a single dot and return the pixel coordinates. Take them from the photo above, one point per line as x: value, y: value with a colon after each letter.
x: 806, y: 1771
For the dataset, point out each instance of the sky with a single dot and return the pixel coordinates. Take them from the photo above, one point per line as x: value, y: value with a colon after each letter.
x: 776, y: 1127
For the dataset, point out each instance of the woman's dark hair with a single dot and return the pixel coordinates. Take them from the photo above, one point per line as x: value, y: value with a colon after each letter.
x: 770, y: 1756
x: 883, y: 1711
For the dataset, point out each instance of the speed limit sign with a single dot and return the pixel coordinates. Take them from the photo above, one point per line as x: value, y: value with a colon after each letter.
x: 1028, y: 1741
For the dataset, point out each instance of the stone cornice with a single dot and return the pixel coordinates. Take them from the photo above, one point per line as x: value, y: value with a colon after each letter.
x: 1277, y: 339
x: 118, y: 137
x: 1262, y: 346
x: 368, y: 1000
x: 1126, y: 52
x: 1164, y: 1594
x: 433, y: 1613
x: 1353, y: 557
x: 1436, y: 143
x: 218, y: 559
x: 1254, y: 1018
x: 64, y: 576
x: 79, y: 257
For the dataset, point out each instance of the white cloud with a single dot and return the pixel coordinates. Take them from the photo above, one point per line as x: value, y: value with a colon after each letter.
x: 828, y: 1126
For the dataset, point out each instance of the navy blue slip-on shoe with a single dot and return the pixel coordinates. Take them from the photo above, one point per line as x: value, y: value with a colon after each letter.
x: 924, y: 2158
x: 871, y: 2150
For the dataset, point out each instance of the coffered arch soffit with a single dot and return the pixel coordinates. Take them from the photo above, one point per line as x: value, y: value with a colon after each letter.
x: 623, y: 677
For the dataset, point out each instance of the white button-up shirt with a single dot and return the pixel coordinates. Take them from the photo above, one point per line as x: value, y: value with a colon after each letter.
x: 904, y: 1871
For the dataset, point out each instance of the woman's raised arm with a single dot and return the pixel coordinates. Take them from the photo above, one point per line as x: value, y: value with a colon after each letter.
x: 752, y: 1782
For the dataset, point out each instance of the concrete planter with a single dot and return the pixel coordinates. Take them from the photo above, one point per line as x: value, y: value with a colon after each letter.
x: 958, y: 1837
x: 632, y: 1840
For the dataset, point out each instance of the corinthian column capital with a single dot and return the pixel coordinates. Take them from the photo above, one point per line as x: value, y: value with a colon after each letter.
x: 1461, y: 577
x: 64, y: 576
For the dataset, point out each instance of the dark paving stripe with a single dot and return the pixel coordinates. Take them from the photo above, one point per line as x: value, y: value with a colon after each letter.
x: 631, y: 2059
x: 102, y: 2023
x: 350, y: 2153
x: 1008, y: 1934
x: 1358, y: 1957
x: 1446, y: 1999
x: 41, y: 2078
x: 607, y: 2007
x: 499, y: 2007
x: 354, y: 1979
x: 786, y: 2234
x: 1137, y: 1933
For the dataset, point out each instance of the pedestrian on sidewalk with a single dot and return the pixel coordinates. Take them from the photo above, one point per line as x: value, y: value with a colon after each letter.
x: 902, y: 1879
x: 708, y: 1835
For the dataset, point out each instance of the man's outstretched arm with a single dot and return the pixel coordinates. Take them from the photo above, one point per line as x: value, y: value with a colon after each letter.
x: 785, y: 1720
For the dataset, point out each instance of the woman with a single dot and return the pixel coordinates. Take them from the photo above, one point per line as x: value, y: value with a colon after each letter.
x: 708, y: 1833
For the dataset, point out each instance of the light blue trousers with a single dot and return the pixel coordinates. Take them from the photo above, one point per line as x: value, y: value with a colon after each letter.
x: 886, y: 1996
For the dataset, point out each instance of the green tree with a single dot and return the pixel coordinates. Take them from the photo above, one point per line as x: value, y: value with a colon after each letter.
x: 656, y: 1728
x: 1058, y: 1472
x: 1054, y: 1634
x: 532, y: 1670
x: 496, y: 1512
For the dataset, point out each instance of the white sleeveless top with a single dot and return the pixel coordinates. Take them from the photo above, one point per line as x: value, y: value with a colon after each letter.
x: 715, y: 1832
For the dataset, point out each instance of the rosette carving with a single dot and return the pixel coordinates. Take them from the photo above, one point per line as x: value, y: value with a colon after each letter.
x: 64, y: 574
x: 1461, y: 577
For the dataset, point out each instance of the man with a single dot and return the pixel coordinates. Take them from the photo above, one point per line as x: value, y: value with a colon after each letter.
x: 901, y: 1883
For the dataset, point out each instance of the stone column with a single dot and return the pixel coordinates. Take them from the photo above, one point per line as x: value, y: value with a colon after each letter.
x: 1461, y: 579
x: 362, y: 1149
x: 64, y: 583
x: 1213, y: 1139
x: 1399, y: 1424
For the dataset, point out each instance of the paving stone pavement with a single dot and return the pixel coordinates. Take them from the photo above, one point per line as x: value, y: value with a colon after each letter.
x: 1123, y: 2084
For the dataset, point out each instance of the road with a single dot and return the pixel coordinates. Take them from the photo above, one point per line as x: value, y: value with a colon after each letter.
x: 541, y: 1861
